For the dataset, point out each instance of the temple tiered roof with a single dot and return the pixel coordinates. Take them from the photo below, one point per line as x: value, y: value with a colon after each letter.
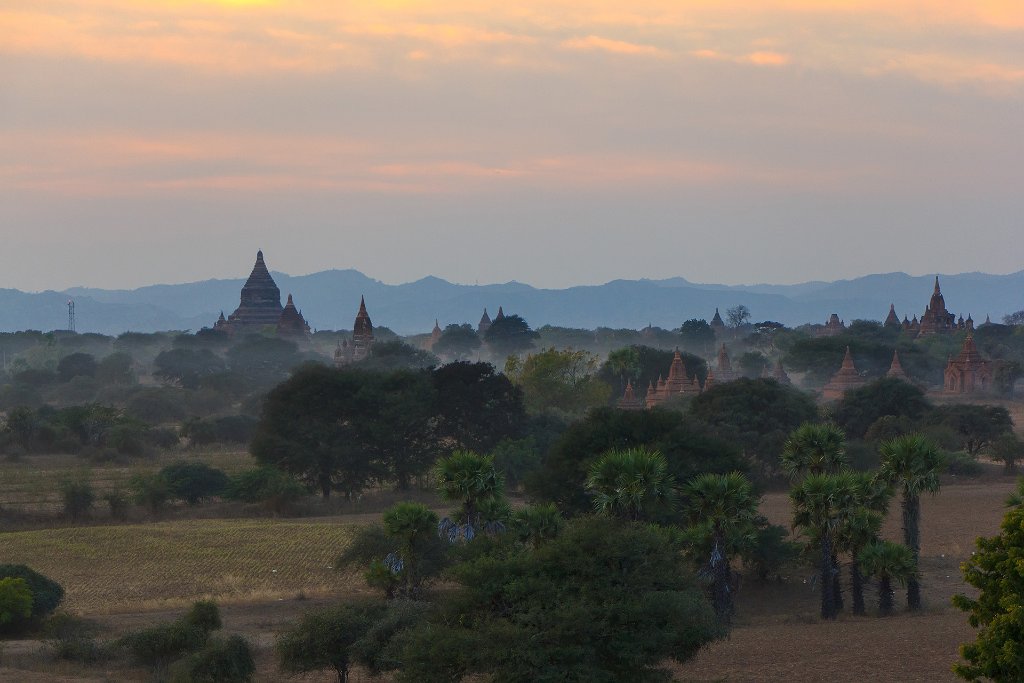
x: 291, y: 323
x: 844, y: 380
x: 260, y: 302
x: 896, y: 369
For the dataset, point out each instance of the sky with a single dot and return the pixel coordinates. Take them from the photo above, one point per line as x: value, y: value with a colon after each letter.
x: 552, y: 142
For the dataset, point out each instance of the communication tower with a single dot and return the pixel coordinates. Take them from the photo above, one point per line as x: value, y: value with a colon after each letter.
x: 71, y: 314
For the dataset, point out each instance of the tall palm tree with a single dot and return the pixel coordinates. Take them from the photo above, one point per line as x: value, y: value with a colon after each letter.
x: 413, y: 525
x: 820, y: 503
x: 814, y: 449
x: 888, y: 562
x: 634, y: 483
x: 861, y: 524
x: 472, y: 481
x: 912, y: 464
x: 721, y: 510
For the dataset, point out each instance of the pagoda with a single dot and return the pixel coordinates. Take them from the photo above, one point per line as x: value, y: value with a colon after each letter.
x: 362, y: 333
x: 844, y: 380
x: 717, y: 324
x: 435, y: 335
x: 968, y: 372
x: 677, y: 384
x: 833, y: 327
x: 629, y: 400
x: 892, y: 320
x: 291, y: 323
x: 896, y: 370
x: 779, y: 374
x: 484, y: 324
x: 725, y: 373
x: 259, y: 305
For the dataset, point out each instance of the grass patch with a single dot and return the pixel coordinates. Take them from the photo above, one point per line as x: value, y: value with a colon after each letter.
x: 110, y: 569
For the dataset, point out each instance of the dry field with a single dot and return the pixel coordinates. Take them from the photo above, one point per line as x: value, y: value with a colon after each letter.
x: 128, y: 576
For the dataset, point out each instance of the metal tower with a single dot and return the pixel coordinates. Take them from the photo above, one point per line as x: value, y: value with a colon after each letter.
x: 71, y: 314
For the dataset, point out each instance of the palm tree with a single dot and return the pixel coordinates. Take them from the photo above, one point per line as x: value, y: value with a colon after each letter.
x: 413, y: 525
x: 721, y: 510
x: 814, y: 449
x: 470, y: 479
x: 888, y: 561
x: 911, y: 463
x: 820, y: 503
x: 634, y: 483
x: 537, y: 524
x: 860, y: 525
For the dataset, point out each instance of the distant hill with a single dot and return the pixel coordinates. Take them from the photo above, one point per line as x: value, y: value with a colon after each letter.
x: 329, y: 300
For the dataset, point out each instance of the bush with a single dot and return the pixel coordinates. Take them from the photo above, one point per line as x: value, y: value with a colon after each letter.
x: 160, y: 645
x: 963, y: 465
x: 221, y: 661
x: 194, y: 482
x: 128, y: 439
x: 152, y: 491
x: 118, y: 503
x: 79, y: 649
x: 268, y: 485
x: 46, y: 593
x: 163, y: 437
x: 15, y: 602
x: 205, y: 615
x: 78, y: 497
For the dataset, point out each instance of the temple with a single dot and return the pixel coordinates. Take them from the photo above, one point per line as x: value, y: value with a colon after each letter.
x: 892, y: 320
x: 362, y: 339
x: 936, y: 319
x: 435, y: 335
x: 260, y: 307
x: 779, y: 374
x: 677, y: 384
x: 291, y: 323
x: 844, y: 380
x: 724, y: 371
x: 833, y: 327
x: 968, y: 372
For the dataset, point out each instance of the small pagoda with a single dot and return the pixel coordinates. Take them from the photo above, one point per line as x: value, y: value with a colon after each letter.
x: 896, y: 370
x: 484, y: 324
x: 844, y: 380
x: 892, y: 320
x: 629, y: 400
x: 717, y: 324
x: 677, y: 384
x: 724, y: 371
x: 291, y: 323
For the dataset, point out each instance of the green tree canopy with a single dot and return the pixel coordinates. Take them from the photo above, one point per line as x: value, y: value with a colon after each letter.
x: 976, y: 426
x: 862, y: 407
x: 509, y: 336
x: 457, y: 342
x: 561, y: 380
x: 633, y: 483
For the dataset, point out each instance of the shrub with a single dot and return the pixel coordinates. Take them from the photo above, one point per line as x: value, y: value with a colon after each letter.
x: 221, y: 661
x: 194, y: 482
x: 78, y: 497
x: 79, y: 649
x: 159, y: 645
x: 128, y: 439
x: 46, y: 593
x: 118, y: 503
x: 962, y: 464
x: 268, y: 485
x: 15, y: 602
x: 205, y: 615
x: 152, y: 491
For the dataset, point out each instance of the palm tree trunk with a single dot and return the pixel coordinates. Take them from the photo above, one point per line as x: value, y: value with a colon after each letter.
x: 857, y: 587
x: 912, y: 538
x: 885, y: 600
x: 837, y: 584
x: 828, y: 608
x: 721, y: 586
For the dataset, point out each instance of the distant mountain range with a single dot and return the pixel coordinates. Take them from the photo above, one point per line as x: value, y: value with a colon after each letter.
x: 330, y: 299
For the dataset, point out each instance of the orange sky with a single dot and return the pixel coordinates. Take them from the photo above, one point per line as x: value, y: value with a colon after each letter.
x: 130, y: 105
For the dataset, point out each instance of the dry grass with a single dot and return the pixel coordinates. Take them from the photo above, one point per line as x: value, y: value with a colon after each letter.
x: 31, y: 483
x: 152, y: 566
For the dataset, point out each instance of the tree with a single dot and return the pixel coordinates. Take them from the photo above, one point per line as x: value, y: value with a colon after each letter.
x: 115, y: 369
x: 277, y: 490
x: 862, y: 407
x: 186, y: 367
x: 15, y: 602
x: 976, y: 426
x: 458, y: 342
x: 414, y: 527
x: 224, y: 661
x: 193, y: 481
x: 324, y: 638
x: 690, y: 448
x: 753, y: 364
x: 998, y: 652
x: 558, y: 380
x: 912, y: 464
x: 1006, y: 374
x: 814, y: 449
x: 888, y: 562
x: 78, y: 497
x: 537, y: 524
x: 737, y: 316
x: 645, y: 364
x: 860, y: 525
x: 604, y: 601
x: 697, y: 334
x: 755, y: 414
x: 1016, y: 318
x: 477, y: 407
x: 151, y: 490
x: 632, y: 484
x: 1009, y: 450
x: 721, y: 511
x: 387, y: 356
x: 76, y: 365
x: 47, y: 594
x: 509, y: 336
x: 820, y: 502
